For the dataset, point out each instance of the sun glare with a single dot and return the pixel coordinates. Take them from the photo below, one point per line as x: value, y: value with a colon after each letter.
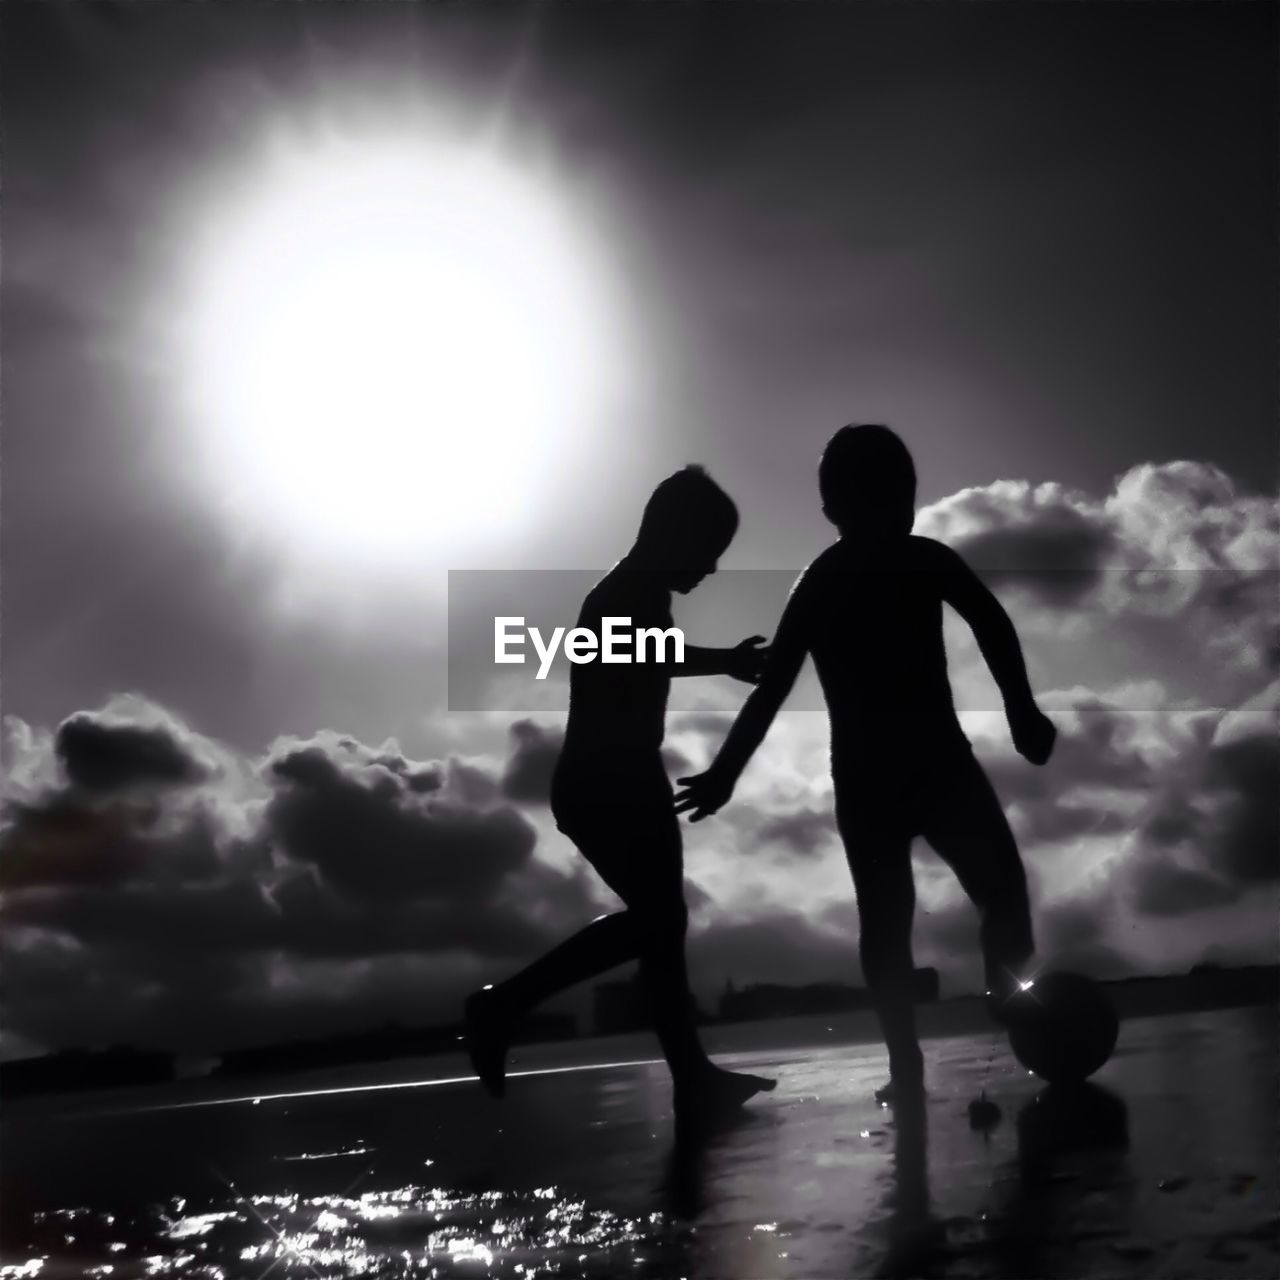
x: 391, y: 345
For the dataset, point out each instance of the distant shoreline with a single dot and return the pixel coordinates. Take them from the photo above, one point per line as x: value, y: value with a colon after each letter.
x: 1201, y: 991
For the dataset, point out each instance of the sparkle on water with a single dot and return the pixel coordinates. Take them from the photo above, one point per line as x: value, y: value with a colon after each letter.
x: 405, y: 1231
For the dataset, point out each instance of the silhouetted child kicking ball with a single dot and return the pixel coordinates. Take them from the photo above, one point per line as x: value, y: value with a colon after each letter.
x: 611, y: 796
x: 869, y: 610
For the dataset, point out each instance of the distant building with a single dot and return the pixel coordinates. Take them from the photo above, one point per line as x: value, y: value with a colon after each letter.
x: 545, y: 1026
x: 619, y: 1007
x: 776, y: 1000
x: 623, y: 1006
x: 85, y: 1069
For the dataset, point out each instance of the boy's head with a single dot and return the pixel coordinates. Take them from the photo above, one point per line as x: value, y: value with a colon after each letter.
x: 688, y: 524
x: 868, y: 481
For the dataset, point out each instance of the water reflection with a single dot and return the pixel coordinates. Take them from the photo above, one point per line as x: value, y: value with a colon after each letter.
x: 1067, y: 1188
x: 1064, y: 1190
x: 914, y: 1235
x: 405, y: 1231
x: 1175, y: 1178
x: 1070, y: 1187
x: 683, y: 1188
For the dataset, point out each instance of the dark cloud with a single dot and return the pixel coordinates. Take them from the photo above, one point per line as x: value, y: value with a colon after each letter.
x: 1071, y: 932
x: 303, y: 917
x: 334, y: 878
x: 1242, y: 778
x: 1097, y: 745
x: 1047, y: 822
x: 375, y: 838
x: 1145, y: 811
x: 1059, y: 557
x: 1172, y: 823
x: 65, y: 841
x: 60, y: 993
x: 775, y: 946
x: 803, y: 830
x: 948, y: 932
x: 1099, y: 753
x: 1171, y: 889
x: 56, y: 830
x: 711, y: 724
x: 696, y: 898
x: 516, y: 918
x: 330, y: 852
x: 108, y: 751
x: 153, y: 920
x: 1213, y: 832
x: 1072, y: 924
x: 201, y: 1001
x: 1178, y: 541
x: 527, y: 776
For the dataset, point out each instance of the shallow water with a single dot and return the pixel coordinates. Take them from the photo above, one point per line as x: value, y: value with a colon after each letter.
x: 1164, y: 1167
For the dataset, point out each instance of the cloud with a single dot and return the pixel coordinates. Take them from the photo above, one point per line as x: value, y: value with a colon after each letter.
x: 777, y: 945
x: 326, y: 851
x: 710, y: 723
x: 156, y: 885
x: 527, y: 777
x: 1041, y: 536
x: 114, y: 750
x: 1171, y: 889
x: 1152, y: 807
x: 1175, y: 541
x: 1212, y: 831
x: 123, y: 793
x: 374, y: 835
x: 64, y: 841
x: 803, y: 830
x: 1175, y: 516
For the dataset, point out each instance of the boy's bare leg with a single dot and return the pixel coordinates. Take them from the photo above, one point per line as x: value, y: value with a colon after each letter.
x: 700, y: 1088
x: 967, y: 828
x: 880, y: 859
x: 645, y: 869
x: 491, y: 1013
x: 604, y: 944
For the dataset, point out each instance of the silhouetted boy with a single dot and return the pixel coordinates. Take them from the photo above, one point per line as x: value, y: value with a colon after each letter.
x: 611, y: 796
x: 869, y: 610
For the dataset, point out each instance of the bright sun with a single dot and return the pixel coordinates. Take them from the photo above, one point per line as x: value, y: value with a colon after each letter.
x: 391, y: 346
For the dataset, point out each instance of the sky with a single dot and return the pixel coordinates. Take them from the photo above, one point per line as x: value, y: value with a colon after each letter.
x: 1037, y: 239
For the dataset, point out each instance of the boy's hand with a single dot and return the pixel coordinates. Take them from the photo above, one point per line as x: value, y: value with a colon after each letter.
x: 703, y: 794
x: 746, y: 661
x: 1033, y: 733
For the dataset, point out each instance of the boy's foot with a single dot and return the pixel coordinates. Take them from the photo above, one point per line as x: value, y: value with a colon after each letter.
x: 715, y: 1093
x: 485, y: 1031
x: 901, y: 1089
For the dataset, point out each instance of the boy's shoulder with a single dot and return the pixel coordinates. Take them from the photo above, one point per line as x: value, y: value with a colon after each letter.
x: 837, y: 576
x: 930, y: 553
x: 626, y: 592
x: 913, y: 552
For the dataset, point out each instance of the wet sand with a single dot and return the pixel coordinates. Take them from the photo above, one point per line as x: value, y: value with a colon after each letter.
x: 1164, y: 1166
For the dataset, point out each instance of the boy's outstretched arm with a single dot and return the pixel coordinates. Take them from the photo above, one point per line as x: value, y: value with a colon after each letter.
x: 1033, y: 731
x: 745, y: 661
x: 707, y: 792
